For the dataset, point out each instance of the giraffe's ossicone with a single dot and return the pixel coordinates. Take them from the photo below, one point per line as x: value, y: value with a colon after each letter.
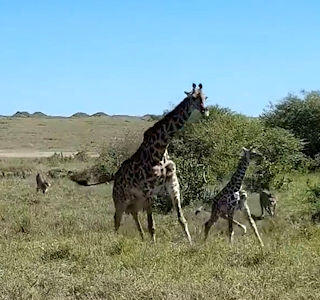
x: 139, y: 177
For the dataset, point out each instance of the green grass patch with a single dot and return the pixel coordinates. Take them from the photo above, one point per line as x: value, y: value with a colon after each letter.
x: 62, y: 246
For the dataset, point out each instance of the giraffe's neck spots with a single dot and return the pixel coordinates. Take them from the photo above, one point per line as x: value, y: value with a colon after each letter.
x: 157, y: 137
x: 237, y: 178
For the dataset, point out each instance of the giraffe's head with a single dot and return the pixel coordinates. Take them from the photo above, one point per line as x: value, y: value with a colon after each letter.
x: 251, y: 153
x: 198, y: 98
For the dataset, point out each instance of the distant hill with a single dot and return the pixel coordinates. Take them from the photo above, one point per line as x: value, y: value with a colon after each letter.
x: 39, y: 114
x: 21, y: 114
x: 99, y: 114
x: 80, y: 115
x: 151, y: 117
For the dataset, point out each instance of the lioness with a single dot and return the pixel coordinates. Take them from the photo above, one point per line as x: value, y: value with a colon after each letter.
x: 42, y: 184
x: 268, y: 202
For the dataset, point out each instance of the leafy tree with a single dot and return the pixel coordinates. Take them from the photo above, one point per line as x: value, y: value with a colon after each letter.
x: 299, y: 116
x: 207, y: 152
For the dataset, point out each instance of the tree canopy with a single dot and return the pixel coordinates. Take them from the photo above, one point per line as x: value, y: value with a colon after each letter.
x: 301, y: 116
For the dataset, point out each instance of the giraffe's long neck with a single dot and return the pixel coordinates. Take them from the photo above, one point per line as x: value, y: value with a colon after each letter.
x: 159, y: 135
x: 176, y: 119
x: 237, y: 178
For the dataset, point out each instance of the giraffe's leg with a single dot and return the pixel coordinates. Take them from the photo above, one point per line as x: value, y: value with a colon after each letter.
x: 117, y: 219
x: 252, y: 223
x: 237, y: 223
x: 268, y: 209
x: 274, y: 209
x: 262, y: 209
x: 136, y: 219
x: 213, y: 219
x: 173, y: 188
x: 231, y: 232
x: 151, y: 226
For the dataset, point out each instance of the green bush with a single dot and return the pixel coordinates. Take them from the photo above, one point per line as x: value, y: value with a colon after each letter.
x: 313, y: 197
x: 111, y: 157
x: 300, y: 116
x: 162, y: 202
x: 207, y: 152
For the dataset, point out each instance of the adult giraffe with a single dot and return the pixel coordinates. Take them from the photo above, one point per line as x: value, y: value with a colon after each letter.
x: 140, y: 176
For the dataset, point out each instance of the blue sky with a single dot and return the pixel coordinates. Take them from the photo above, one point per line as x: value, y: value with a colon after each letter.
x: 137, y: 57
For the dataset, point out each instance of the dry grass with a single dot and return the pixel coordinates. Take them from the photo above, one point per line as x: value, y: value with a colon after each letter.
x: 62, y: 246
x: 65, y: 134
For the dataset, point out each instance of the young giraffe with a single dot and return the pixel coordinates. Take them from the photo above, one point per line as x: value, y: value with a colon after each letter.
x: 229, y: 199
x: 139, y: 177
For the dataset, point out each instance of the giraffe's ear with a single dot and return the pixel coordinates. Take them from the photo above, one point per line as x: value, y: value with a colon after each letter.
x: 193, y: 89
x: 200, y: 86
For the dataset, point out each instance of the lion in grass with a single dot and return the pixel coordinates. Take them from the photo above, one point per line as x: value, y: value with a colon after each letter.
x: 42, y: 183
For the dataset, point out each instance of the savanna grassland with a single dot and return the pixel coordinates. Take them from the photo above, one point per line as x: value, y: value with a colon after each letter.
x: 61, y: 245
x: 30, y: 135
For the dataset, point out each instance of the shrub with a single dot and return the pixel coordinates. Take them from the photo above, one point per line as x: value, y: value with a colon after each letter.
x: 299, y: 116
x: 162, y: 202
x: 313, y: 197
x: 57, y: 158
x: 111, y: 157
x: 109, y: 161
x: 81, y: 155
x: 207, y: 151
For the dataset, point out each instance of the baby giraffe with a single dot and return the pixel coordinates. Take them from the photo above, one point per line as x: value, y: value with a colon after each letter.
x: 231, y: 198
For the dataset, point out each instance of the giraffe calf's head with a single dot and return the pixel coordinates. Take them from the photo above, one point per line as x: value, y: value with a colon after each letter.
x: 198, y: 98
x: 251, y: 153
